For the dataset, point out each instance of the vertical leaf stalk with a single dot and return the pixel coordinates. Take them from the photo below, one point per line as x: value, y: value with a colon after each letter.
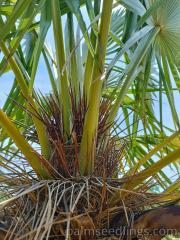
x: 61, y: 61
x: 90, y: 58
x: 73, y: 62
x: 88, y: 143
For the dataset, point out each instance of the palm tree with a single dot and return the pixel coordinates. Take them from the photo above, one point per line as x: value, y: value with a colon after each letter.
x: 94, y: 147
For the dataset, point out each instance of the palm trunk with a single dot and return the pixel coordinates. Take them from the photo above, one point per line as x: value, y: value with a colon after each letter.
x: 153, y: 224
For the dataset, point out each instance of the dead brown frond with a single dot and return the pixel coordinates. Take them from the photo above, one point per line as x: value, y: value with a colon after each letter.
x: 59, y: 209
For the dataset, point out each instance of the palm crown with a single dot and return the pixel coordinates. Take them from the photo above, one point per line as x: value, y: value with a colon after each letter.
x: 69, y: 146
